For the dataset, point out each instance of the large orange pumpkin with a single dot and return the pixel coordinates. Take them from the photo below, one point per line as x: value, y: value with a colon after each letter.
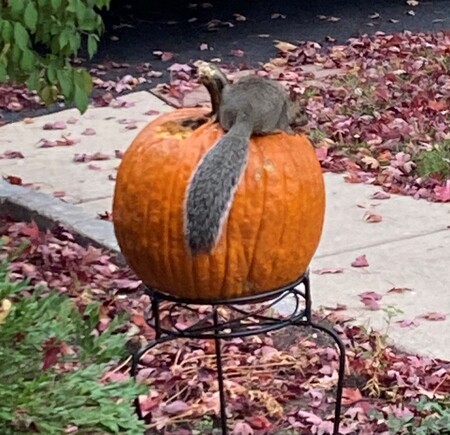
x: 272, y: 230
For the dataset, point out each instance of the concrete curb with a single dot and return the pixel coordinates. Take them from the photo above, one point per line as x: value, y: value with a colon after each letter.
x: 26, y: 204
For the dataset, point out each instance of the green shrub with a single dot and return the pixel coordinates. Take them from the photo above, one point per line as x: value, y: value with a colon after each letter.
x: 36, y: 394
x: 38, y: 38
x: 434, y: 419
x: 435, y: 162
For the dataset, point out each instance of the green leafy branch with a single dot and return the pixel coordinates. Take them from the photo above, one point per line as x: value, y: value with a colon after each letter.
x: 38, y: 40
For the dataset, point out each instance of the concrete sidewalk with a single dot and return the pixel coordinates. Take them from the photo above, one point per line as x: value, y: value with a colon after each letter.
x: 409, y: 248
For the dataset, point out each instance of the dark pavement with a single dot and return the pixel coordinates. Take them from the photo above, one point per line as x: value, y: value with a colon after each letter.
x: 164, y: 25
x: 137, y: 28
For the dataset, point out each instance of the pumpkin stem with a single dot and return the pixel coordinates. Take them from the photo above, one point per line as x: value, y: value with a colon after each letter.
x: 214, y: 79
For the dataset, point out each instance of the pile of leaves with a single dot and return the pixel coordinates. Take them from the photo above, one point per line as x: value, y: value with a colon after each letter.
x: 283, y: 383
x: 377, y: 108
x: 383, y: 113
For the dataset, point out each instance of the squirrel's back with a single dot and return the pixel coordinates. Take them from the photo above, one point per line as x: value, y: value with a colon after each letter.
x: 260, y: 99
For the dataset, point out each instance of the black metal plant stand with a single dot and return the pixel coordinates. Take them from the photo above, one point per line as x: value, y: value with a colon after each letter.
x: 242, y: 324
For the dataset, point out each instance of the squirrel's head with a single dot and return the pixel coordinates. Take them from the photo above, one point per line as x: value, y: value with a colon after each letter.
x: 205, y: 69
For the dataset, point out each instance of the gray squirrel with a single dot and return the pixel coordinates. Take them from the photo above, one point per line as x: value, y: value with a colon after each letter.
x: 251, y: 106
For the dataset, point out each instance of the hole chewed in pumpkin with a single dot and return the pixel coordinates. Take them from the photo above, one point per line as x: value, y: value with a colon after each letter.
x: 180, y: 129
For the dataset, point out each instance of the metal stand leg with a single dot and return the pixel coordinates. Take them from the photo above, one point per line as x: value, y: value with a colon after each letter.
x: 341, y: 373
x: 223, y: 405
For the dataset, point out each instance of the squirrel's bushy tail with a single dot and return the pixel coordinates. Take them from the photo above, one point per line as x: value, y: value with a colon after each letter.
x: 211, y: 191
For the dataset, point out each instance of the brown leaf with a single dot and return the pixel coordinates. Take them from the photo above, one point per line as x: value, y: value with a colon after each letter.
x: 360, y: 261
x: 105, y: 216
x: 127, y: 284
x: 408, y: 323
x: 285, y: 46
x: 176, y: 407
x: 83, y: 158
x: 11, y: 155
x: 371, y: 300
x: 56, y: 125
x: 328, y: 270
x: 152, y: 112
x: 434, y: 316
x: 259, y: 422
x: 52, y: 349
x: 242, y: 428
x: 380, y: 195
x: 12, y: 179
x: 351, y: 396
x: 371, y: 217
x: 399, y: 290
x: 437, y: 106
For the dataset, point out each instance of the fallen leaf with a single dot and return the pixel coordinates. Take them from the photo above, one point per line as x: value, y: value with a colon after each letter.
x: 5, y: 308
x: 127, y: 284
x: 259, y: 422
x: 56, y: 125
x: 152, y: 112
x: 443, y: 192
x: 371, y: 217
x: 105, y: 216
x: 242, y: 428
x: 434, y: 316
x: 399, y: 290
x: 380, y: 195
x: 408, y: 323
x: 333, y: 19
x: 360, y: 261
x: 285, y: 46
x: 59, y: 194
x: 11, y: 155
x: 176, y: 407
x: 351, y: 396
x: 118, y: 154
x: 371, y: 300
x: 12, y: 179
x: 165, y: 56
x: 276, y: 16
x: 89, y: 132
x: 239, y: 17
x: 328, y: 270
x: 51, y: 349
x: 83, y: 158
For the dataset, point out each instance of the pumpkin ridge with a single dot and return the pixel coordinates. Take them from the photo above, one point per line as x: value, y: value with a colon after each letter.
x: 256, y: 237
x: 282, y: 209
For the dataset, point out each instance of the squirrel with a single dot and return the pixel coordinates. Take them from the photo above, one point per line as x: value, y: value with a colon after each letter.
x: 253, y: 105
